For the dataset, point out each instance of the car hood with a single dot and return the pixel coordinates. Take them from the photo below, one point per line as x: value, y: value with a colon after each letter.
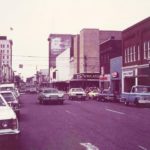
x: 52, y: 94
x: 144, y: 94
x: 78, y: 92
x: 6, y: 113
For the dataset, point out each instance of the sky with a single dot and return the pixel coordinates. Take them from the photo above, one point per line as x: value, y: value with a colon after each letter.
x: 33, y: 20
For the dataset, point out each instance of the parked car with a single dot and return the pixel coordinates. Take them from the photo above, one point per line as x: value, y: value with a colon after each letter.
x: 77, y: 93
x: 9, y: 126
x: 10, y: 87
x: 138, y: 95
x: 11, y: 100
x: 94, y: 94
x: 50, y: 95
x: 107, y: 95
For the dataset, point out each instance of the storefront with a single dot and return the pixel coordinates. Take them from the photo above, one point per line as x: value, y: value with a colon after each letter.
x: 138, y: 75
x: 85, y: 80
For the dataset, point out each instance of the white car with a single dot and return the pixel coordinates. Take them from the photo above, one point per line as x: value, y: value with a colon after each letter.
x: 50, y: 95
x: 10, y: 87
x: 8, y: 121
x: 12, y: 101
x: 77, y: 93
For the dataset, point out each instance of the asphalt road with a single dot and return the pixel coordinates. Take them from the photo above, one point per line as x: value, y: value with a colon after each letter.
x: 81, y: 125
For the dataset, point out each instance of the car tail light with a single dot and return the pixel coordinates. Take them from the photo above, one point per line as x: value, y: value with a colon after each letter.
x: 14, y: 124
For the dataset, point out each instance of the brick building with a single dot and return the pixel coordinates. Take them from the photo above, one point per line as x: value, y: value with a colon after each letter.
x: 136, y: 55
x: 109, y: 67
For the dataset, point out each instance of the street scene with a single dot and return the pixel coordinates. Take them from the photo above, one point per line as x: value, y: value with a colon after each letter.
x: 81, y: 125
x: 75, y: 75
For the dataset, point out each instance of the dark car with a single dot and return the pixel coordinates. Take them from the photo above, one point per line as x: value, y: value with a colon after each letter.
x: 107, y: 95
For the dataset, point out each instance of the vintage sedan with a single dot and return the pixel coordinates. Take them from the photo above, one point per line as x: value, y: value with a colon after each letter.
x: 11, y: 100
x: 107, y: 95
x: 50, y: 95
x: 94, y: 94
x: 77, y: 93
x: 9, y: 127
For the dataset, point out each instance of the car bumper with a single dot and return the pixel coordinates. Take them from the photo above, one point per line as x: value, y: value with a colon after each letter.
x: 78, y: 97
x: 9, y: 132
x: 144, y: 101
x: 53, y: 99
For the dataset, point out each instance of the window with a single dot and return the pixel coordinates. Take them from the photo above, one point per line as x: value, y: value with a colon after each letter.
x: 128, y: 55
x: 148, y: 49
x: 138, y: 48
x: 145, y: 50
x: 134, y: 54
x: 125, y: 55
x: 131, y: 55
x: 7, y: 46
x: 7, y: 57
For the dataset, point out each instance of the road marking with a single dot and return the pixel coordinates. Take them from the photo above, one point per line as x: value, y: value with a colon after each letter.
x: 69, y: 112
x: 89, y: 146
x: 77, y: 102
x: 118, y: 112
x: 141, y: 147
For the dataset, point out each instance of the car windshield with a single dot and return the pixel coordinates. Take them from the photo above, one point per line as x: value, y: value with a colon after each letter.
x: 142, y: 89
x: 8, y: 97
x: 77, y: 90
x: 50, y: 91
x: 6, y: 89
x: 2, y: 102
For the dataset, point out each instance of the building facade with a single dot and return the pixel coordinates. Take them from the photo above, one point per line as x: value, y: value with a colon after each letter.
x: 136, y: 55
x: 6, y: 73
x: 110, y: 53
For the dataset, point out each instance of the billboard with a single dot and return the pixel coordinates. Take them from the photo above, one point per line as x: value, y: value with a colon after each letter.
x: 58, y: 44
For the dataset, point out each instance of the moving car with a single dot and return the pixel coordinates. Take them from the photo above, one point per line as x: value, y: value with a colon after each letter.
x: 77, y: 93
x: 50, y: 95
x: 138, y: 95
x: 11, y: 100
x: 8, y: 121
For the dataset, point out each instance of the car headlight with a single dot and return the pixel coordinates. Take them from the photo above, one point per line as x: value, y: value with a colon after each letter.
x: 61, y: 95
x: 4, y: 124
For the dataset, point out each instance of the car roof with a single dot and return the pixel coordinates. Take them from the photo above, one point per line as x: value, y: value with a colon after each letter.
x: 7, y: 85
x: 8, y: 91
x: 141, y: 86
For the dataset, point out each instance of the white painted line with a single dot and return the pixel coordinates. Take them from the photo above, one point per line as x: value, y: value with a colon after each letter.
x: 114, y: 111
x: 89, y: 146
x: 143, y: 148
x: 69, y: 112
x: 77, y: 102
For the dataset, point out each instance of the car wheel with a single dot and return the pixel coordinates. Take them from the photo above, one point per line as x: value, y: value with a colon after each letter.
x: 136, y: 103
x: 126, y: 103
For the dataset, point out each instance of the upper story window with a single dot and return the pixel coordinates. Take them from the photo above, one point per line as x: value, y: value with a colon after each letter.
x: 131, y: 54
x: 125, y: 55
x: 145, y: 50
x: 128, y: 55
x: 148, y: 49
x: 138, y: 49
x: 134, y: 54
x: 7, y: 45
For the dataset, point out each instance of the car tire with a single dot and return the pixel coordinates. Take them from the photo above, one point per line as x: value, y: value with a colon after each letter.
x: 126, y: 102
x: 136, y: 103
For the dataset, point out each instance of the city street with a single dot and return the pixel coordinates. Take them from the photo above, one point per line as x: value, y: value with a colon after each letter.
x: 81, y: 125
